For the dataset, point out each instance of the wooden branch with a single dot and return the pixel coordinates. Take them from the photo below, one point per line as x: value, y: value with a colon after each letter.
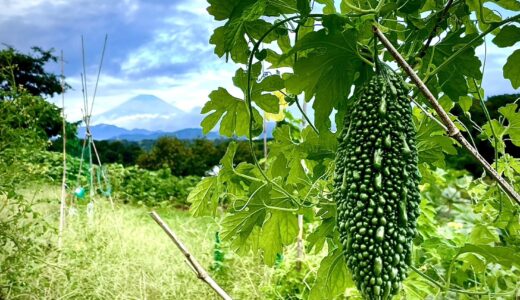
x: 191, y: 260
x: 452, y: 130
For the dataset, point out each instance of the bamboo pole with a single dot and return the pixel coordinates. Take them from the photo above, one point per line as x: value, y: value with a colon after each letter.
x: 452, y: 130
x: 199, y: 270
x: 64, y: 140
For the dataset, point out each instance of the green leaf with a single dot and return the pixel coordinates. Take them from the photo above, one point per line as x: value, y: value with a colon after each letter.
x: 483, y: 235
x: 329, y: 6
x: 505, y: 256
x: 239, y: 224
x: 508, y: 36
x: 232, y: 111
x: 499, y: 130
x: 204, y: 197
x: 320, y: 235
x: 508, y: 4
x: 280, y: 229
x: 465, y: 103
x: 511, y: 69
x: 432, y: 142
x: 513, y: 119
x: 304, y: 7
x: 333, y: 277
x: 327, y: 73
x: 243, y: 19
x: 452, y: 78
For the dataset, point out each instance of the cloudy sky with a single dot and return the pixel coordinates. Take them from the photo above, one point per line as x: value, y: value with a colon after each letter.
x: 157, y: 47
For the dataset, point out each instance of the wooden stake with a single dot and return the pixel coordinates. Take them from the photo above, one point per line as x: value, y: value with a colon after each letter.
x: 64, y: 140
x: 192, y: 261
x: 452, y: 130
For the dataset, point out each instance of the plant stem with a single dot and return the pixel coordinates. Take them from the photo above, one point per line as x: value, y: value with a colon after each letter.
x: 453, y: 131
x: 447, y: 288
x: 305, y: 116
x: 250, y: 105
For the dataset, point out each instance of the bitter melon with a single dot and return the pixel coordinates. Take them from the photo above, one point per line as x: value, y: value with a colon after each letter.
x: 376, y: 187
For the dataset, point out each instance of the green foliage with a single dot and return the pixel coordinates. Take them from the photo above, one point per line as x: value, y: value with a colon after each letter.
x: 326, y: 59
x: 185, y: 158
x: 132, y: 185
x: 27, y: 70
x: 511, y: 69
x: 27, y: 112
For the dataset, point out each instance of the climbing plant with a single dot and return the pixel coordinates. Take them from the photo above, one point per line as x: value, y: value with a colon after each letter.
x: 323, y: 52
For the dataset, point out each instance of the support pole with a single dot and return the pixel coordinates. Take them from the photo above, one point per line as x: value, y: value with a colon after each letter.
x: 199, y: 270
x: 64, y: 140
x: 452, y: 130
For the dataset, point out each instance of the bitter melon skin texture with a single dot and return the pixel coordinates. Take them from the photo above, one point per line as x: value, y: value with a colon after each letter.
x: 376, y: 187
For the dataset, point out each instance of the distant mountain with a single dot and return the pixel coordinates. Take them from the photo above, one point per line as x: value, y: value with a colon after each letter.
x: 107, y: 132
x: 148, y: 112
x: 111, y: 132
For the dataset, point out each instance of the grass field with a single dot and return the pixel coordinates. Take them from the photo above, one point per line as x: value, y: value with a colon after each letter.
x: 124, y: 254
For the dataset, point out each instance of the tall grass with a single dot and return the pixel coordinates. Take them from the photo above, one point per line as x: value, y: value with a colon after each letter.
x: 123, y: 254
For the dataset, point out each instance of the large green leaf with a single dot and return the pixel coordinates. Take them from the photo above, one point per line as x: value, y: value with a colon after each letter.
x: 232, y: 112
x: 452, y: 78
x: 432, y: 141
x: 204, y: 197
x: 508, y: 36
x: 281, y: 228
x: 243, y: 23
x: 505, y: 256
x: 239, y: 224
x: 327, y: 73
x: 333, y: 277
x: 513, y: 120
x: 511, y: 69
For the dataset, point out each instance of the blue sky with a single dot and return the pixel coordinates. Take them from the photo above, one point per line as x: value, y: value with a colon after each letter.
x: 157, y: 47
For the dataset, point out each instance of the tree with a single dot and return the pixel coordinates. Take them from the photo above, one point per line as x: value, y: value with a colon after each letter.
x: 26, y: 111
x: 167, y: 152
x: 28, y: 71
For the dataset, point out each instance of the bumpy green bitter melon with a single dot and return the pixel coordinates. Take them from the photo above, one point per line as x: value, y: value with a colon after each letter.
x: 376, y: 187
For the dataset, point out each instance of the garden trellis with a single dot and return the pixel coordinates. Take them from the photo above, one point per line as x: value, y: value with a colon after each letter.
x: 97, y: 177
x: 96, y: 174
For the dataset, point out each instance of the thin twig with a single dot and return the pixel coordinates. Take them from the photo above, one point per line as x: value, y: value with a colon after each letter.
x: 433, y: 33
x: 201, y: 273
x: 453, y: 131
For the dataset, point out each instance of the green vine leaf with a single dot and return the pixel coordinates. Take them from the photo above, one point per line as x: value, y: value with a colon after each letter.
x: 505, y: 256
x: 238, y: 225
x: 513, y: 120
x: 204, y: 197
x: 233, y: 112
x: 508, y: 36
x: 452, y: 79
x: 432, y: 141
x: 511, y: 69
x: 333, y: 277
x: 280, y: 229
x: 243, y: 21
x: 327, y: 73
